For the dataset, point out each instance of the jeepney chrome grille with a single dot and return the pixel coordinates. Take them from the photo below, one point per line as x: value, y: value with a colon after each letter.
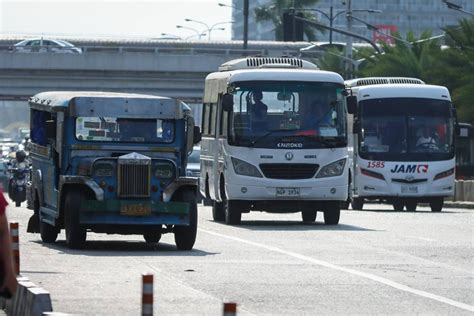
x: 290, y: 171
x: 134, y: 180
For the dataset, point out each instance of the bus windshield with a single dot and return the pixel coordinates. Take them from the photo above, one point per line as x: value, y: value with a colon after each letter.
x: 267, y: 114
x: 406, y: 129
x: 111, y: 129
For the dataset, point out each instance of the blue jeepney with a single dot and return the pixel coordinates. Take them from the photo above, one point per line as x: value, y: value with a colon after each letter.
x: 112, y: 163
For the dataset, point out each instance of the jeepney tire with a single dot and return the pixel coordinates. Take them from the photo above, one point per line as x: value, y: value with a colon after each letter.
x: 75, y: 234
x: 17, y: 204
x: 233, y: 215
x: 332, y: 213
x: 185, y: 236
x: 357, y: 204
x: 411, y: 206
x: 48, y: 233
x: 437, y: 205
x: 309, y: 215
x: 152, y: 237
x: 218, y: 211
x: 398, y: 206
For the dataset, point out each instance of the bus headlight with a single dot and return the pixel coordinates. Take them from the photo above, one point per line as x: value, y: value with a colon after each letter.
x: 164, y: 170
x: 103, y: 169
x: 333, y: 169
x: 245, y: 169
x: 444, y: 174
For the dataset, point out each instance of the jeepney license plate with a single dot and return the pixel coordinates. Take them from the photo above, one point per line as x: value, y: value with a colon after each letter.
x: 409, y: 189
x: 135, y: 209
x: 288, y: 191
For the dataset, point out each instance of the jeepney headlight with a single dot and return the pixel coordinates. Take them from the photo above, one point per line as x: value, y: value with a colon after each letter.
x: 333, y: 169
x: 164, y: 170
x: 245, y: 169
x: 103, y: 169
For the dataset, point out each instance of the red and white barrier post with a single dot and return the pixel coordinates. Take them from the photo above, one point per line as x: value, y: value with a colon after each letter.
x: 15, y: 246
x: 230, y: 309
x: 147, y: 295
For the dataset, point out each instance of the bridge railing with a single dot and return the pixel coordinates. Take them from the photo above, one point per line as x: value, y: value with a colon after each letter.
x: 155, y: 50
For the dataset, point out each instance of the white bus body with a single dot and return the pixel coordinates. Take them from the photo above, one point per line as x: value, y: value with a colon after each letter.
x: 274, y: 165
x: 403, y: 143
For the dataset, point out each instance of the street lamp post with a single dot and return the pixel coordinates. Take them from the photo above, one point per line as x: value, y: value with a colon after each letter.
x: 209, y: 28
x: 331, y: 17
x: 457, y: 7
x: 189, y: 28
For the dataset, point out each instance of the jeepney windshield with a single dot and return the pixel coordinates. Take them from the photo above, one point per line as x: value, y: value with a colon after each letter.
x: 267, y: 113
x: 112, y: 129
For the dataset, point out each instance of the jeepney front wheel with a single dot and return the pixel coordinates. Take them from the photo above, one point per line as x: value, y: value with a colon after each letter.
x: 75, y: 233
x: 48, y: 233
x: 185, y: 236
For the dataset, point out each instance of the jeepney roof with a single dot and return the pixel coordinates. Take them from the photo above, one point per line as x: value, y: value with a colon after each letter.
x: 95, y: 103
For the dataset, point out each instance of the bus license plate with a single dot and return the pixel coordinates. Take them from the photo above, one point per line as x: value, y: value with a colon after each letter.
x: 409, y: 189
x: 288, y: 191
x: 135, y: 210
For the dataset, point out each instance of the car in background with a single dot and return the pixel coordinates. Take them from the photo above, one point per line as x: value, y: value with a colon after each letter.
x: 41, y: 45
x: 193, y: 168
x: 4, y: 175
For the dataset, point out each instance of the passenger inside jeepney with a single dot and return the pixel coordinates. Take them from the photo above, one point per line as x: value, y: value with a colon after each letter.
x: 137, y: 130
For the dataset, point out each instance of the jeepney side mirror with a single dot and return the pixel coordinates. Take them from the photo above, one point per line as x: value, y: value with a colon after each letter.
x: 352, y: 104
x: 227, y: 102
x: 196, y: 135
x: 50, y: 129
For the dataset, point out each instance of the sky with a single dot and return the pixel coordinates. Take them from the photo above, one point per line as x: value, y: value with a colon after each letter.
x: 112, y: 18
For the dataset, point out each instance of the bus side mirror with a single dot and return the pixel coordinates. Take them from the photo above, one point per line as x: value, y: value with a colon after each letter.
x: 196, y: 135
x: 50, y: 129
x: 227, y: 102
x: 351, y: 104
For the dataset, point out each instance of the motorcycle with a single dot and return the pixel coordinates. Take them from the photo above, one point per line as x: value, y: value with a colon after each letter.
x: 18, y: 183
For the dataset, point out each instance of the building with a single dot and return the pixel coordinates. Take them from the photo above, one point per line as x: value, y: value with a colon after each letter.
x: 400, y: 15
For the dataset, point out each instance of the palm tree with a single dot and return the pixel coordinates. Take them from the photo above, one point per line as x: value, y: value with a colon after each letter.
x: 456, y: 69
x: 403, y: 59
x: 274, y: 13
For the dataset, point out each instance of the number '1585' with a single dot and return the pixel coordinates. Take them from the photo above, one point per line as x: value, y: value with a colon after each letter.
x: 376, y: 164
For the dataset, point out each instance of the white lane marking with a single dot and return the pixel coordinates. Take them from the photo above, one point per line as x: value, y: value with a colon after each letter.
x: 420, y: 238
x: 369, y: 276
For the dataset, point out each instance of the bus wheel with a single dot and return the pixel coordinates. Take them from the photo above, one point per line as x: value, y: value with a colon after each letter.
x: 398, y: 206
x: 48, y: 233
x: 309, y: 215
x: 437, y: 204
x: 233, y: 215
x: 357, y: 203
x: 218, y: 211
x: 75, y: 234
x: 345, y: 205
x: 332, y: 213
x: 185, y: 236
x: 411, y: 206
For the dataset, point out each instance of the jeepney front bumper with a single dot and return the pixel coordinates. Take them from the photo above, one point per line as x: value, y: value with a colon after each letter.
x: 133, y: 212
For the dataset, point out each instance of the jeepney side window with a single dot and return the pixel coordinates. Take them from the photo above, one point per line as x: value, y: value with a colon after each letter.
x: 38, y: 127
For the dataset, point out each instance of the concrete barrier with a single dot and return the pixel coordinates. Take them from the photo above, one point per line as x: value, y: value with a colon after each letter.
x: 29, y: 300
x: 464, y: 191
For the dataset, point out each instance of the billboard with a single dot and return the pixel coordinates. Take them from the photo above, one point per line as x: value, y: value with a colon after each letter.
x: 383, y: 31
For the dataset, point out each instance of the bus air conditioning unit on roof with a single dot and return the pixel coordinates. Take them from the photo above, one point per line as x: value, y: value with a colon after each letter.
x: 266, y: 62
x: 384, y: 80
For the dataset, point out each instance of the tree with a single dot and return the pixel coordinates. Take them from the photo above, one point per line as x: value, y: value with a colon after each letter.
x: 404, y: 59
x: 456, y: 68
x: 274, y: 13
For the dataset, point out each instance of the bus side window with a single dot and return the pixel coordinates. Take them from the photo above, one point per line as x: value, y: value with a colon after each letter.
x: 205, y: 119
x: 213, y: 120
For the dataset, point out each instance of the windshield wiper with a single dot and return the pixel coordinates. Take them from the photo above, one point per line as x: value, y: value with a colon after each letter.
x: 253, y: 142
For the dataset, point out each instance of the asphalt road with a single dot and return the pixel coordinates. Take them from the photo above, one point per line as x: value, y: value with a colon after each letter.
x: 376, y: 261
